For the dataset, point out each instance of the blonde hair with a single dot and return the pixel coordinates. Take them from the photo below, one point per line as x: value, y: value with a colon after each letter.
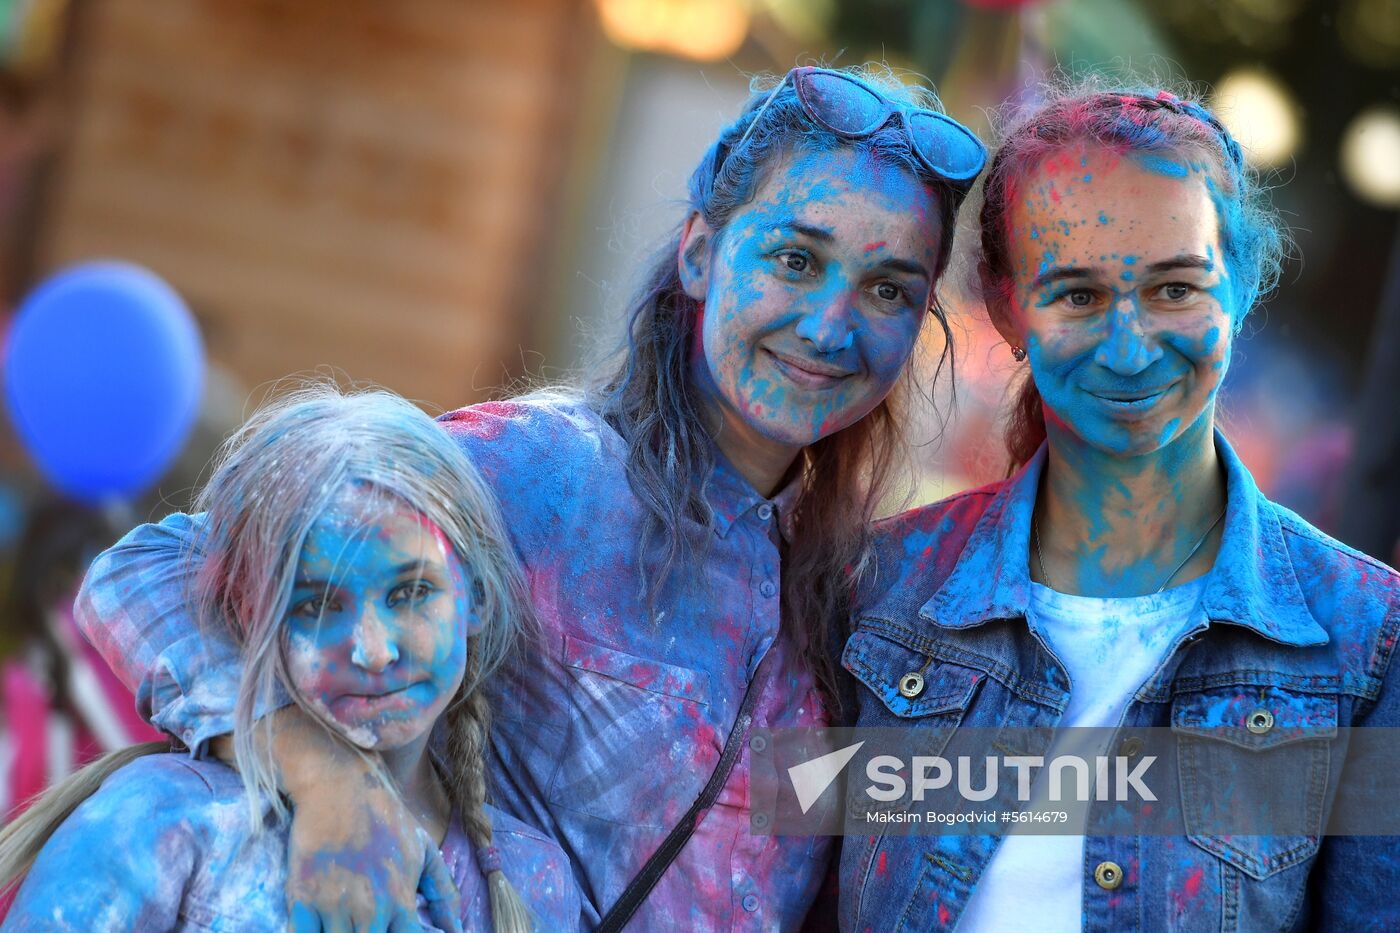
x: 273, y: 479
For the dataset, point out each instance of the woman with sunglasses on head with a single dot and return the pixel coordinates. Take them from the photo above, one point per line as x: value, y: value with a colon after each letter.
x: 1130, y: 573
x: 719, y: 480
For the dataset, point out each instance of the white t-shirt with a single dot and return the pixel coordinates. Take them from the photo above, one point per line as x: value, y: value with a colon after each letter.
x: 1109, y: 648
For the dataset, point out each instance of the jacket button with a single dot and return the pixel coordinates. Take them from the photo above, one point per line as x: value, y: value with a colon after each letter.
x: 1131, y: 747
x: 911, y: 684
x: 750, y: 902
x: 1259, y: 721
x: 1108, y: 875
x: 768, y: 589
x: 765, y: 512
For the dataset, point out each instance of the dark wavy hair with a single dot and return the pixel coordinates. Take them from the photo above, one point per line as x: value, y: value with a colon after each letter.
x: 649, y: 399
x: 1130, y: 119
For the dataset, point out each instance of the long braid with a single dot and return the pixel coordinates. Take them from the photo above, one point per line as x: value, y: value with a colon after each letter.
x: 468, y: 724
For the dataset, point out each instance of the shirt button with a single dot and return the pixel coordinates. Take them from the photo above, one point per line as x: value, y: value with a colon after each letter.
x: 1108, y: 875
x: 750, y: 902
x: 767, y: 588
x: 1131, y: 747
x: 765, y: 511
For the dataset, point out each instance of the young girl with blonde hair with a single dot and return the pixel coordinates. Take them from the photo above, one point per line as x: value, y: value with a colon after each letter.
x: 353, y: 555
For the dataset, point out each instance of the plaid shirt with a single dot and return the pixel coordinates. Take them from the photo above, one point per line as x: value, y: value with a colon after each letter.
x: 608, y: 727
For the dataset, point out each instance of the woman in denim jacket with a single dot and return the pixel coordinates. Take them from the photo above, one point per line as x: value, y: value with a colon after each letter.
x: 1130, y: 574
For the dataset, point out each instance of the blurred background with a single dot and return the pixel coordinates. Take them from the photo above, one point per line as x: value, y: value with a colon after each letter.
x: 447, y: 196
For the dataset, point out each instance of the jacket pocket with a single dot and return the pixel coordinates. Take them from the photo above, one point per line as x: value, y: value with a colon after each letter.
x: 910, y: 690
x: 1254, y: 765
x: 639, y: 737
x: 909, y: 682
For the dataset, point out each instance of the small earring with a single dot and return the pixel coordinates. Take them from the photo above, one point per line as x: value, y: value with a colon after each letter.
x: 1018, y: 354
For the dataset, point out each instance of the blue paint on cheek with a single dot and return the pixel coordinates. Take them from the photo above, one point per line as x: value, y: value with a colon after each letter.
x: 1130, y: 260
x: 1103, y: 218
x: 1127, y: 276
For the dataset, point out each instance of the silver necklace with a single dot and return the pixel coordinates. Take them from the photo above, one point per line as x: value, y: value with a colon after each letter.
x: 1040, y: 557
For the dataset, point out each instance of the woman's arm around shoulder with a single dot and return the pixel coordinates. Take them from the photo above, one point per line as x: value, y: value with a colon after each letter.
x: 134, y: 607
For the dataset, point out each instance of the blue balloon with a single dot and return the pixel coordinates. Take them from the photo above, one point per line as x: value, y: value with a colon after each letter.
x: 104, y: 370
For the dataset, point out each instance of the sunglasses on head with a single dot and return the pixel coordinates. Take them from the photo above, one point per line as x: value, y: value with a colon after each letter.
x: 845, y: 105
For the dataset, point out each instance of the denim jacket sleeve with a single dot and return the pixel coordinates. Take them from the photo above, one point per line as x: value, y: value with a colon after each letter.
x: 134, y: 606
x: 1354, y: 881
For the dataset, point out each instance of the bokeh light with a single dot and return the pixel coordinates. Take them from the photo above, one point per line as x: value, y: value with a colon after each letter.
x: 1261, y: 114
x: 1371, y: 155
x: 705, y: 30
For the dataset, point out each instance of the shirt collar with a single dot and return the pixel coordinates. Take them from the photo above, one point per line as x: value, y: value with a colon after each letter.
x: 731, y: 497
x: 1252, y: 585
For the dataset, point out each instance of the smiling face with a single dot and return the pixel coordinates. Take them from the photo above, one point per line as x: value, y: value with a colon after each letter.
x: 814, y: 293
x: 1119, y: 296
x: 378, y: 621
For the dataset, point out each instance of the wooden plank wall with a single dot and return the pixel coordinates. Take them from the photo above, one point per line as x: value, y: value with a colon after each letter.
x: 360, y: 183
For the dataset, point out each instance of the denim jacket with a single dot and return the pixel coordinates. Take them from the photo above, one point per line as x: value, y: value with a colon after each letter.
x: 1289, y: 619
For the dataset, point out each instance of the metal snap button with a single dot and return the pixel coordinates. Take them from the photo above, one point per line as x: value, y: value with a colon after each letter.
x: 1108, y: 875
x: 758, y: 743
x: 759, y: 820
x: 765, y: 511
x: 767, y: 588
x: 911, y: 684
x: 1259, y: 721
x: 1131, y: 747
x: 750, y: 902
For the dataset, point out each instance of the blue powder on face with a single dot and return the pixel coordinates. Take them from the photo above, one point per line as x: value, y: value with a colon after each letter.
x: 1162, y: 165
x: 1103, y: 218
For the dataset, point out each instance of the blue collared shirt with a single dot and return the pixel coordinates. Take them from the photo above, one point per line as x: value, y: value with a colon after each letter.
x: 605, y: 731
x: 1289, y: 620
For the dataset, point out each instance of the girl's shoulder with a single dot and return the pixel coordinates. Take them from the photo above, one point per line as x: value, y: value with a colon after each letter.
x: 141, y: 844
x: 538, y: 868
x: 502, y: 823
x: 173, y: 782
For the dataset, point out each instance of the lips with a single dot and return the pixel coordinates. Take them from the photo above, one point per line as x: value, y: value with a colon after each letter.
x: 393, y: 698
x: 806, y: 372
x: 1131, y: 400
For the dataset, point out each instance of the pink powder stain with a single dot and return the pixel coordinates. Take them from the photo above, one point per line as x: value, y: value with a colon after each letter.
x: 872, y: 247
x: 1192, y: 887
x: 1054, y: 194
x: 882, y: 865
x: 942, y: 914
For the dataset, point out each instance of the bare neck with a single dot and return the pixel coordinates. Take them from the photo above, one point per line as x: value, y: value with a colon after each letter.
x: 422, y: 789
x: 1113, y: 525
